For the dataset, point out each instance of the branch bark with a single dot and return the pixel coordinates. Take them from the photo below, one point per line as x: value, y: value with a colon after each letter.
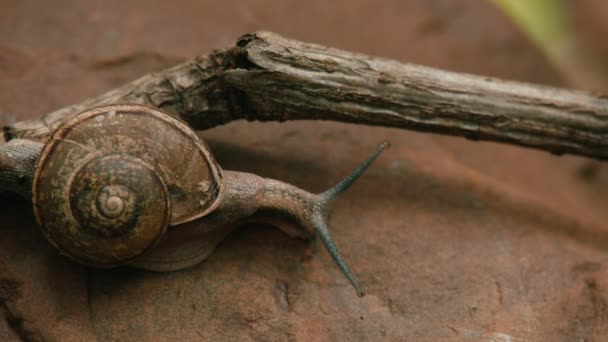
x: 271, y: 78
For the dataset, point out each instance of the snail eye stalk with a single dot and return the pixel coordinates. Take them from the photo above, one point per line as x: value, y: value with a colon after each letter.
x: 319, y: 218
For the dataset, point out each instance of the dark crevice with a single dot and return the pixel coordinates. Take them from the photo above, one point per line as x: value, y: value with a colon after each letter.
x: 10, y: 293
x: 89, y: 294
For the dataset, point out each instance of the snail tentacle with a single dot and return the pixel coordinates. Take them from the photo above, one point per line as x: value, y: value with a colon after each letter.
x: 320, y: 220
x: 333, y: 192
x: 311, y: 210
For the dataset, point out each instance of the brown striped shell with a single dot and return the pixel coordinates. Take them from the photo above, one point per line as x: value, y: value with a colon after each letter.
x: 110, y: 180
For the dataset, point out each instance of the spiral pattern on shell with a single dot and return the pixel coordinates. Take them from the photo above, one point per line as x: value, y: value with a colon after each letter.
x: 109, y: 194
x: 112, y: 179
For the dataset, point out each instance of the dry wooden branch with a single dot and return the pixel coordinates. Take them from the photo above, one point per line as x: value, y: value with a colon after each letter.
x: 268, y: 77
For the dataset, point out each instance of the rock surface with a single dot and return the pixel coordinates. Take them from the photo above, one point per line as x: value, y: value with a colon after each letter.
x: 453, y: 240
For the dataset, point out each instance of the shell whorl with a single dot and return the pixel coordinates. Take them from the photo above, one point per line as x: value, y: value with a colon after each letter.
x: 111, y: 194
x: 111, y: 179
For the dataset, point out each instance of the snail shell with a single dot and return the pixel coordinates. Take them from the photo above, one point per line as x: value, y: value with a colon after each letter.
x: 110, y: 180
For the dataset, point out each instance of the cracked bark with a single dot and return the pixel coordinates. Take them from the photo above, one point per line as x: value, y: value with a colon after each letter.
x: 267, y: 77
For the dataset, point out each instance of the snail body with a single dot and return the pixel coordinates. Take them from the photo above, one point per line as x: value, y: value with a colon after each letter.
x: 131, y: 185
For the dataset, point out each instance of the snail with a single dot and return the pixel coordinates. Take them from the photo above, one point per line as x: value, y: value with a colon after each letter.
x: 132, y: 185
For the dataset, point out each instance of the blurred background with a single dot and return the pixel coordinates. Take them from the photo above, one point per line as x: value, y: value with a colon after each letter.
x: 453, y: 240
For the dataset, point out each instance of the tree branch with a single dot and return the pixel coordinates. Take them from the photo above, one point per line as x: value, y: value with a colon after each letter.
x: 271, y: 78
